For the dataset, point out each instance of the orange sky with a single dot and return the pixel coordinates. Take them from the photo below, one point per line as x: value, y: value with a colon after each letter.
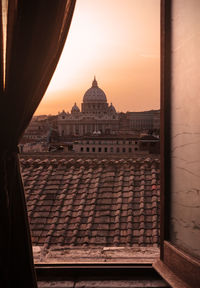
x: 119, y: 42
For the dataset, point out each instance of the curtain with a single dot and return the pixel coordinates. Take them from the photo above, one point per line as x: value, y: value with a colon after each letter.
x: 36, y: 33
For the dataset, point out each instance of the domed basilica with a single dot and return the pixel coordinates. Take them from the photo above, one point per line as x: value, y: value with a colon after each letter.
x: 95, y: 117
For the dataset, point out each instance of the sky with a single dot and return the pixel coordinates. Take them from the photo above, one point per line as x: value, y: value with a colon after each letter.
x: 118, y: 41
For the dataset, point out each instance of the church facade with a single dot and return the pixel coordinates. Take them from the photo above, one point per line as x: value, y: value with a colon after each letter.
x: 96, y: 117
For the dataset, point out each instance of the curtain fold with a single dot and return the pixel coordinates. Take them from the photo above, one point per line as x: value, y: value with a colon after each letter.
x: 1, y: 49
x: 36, y: 33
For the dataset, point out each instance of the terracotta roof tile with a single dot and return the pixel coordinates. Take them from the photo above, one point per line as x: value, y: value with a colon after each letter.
x: 93, y: 202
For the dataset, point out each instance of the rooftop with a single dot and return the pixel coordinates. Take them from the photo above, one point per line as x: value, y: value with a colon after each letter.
x: 93, y: 202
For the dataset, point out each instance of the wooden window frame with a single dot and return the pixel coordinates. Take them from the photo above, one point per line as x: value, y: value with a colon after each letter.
x: 178, y: 268
x: 96, y: 271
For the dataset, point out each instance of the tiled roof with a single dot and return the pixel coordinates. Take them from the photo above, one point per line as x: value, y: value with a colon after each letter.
x: 93, y: 202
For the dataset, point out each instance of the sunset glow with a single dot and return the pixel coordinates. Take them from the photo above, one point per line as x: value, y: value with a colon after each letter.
x: 119, y: 42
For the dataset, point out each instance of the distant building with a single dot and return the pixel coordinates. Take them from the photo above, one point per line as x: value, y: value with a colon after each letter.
x: 117, y: 145
x: 146, y: 120
x: 41, y: 129
x: 107, y: 145
x: 96, y: 128
x: 97, y: 117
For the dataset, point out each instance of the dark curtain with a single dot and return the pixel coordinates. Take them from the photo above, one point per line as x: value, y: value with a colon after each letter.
x: 36, y: 33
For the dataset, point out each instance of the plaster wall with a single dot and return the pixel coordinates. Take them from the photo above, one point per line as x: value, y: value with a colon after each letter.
x: 185, y: 123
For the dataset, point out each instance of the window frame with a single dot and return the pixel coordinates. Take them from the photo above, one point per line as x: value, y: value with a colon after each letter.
x: 175, y: 266
x: 165, y: 116
x: 95, y: 271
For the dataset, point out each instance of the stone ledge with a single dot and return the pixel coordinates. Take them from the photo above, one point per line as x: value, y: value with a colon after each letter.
x: 95, y: 255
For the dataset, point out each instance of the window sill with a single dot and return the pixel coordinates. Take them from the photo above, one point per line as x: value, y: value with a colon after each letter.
x: 94, y: 271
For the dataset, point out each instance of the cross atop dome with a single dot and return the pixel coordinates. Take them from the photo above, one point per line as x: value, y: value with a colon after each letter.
x: 94, y: 83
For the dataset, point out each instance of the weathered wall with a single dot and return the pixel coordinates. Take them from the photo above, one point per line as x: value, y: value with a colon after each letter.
x: 185, y: 214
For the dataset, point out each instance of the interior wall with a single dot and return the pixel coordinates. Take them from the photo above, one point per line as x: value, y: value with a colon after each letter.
x: 185, y: 123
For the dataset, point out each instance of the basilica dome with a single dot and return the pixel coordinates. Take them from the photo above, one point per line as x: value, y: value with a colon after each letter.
x: 94, y: 94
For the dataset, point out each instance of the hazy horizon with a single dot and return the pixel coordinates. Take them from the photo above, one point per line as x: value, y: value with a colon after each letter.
x: 118, y: 41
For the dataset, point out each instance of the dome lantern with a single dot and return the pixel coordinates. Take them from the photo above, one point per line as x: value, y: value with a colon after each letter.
x: 94, y: 83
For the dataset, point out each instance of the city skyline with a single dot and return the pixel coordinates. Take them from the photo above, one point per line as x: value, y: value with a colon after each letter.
x: 123, y: 55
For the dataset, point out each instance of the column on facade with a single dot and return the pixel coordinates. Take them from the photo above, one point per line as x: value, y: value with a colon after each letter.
x: 67, y: 129
x: 81, y: 129
x: 60, y: 130
x: 71, y: 129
